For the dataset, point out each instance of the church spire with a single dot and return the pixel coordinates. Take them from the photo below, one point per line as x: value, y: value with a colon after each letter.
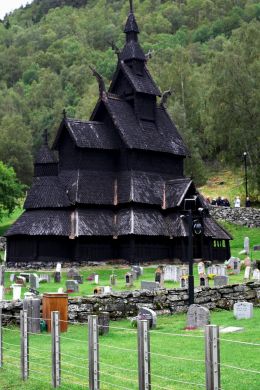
x: 132, y: 49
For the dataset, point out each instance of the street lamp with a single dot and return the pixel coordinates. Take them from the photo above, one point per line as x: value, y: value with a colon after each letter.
x: 245, y: 164
x: 194, y: 226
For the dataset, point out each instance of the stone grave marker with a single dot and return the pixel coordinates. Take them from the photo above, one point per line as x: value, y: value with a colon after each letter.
x: 43, y: 278
x: 184, y: 270
x: 129, y: 279
x: 72, y: 272
x: 2, y: 275
x: 96, y: 278
x: 57, y: 277
x: 12, y: 278
x: 220, y: 281
x: 256, y: 275
x: 103, y: 323
x: 197, y: 317
x: 247, y: 245
x: 113, y: 278
x: 184, y: 281
x: 148, y: 314
x: 204, y: 280
x: 247, y: 262
x: 20, y: 280
x: 223, y: 270
x: 247, y: 273
x: 159, y: 276
x: 138, y: 270
x: 60, y: 290
x: 34, y: 281
x: 149, y: 285
x: 169, y: 273
x: 58, y: 267
x: 107, y: 289
x: 2, y: 293
x: 201, y: 268
x: 78, y: 278
x: 26, y: 276
x: 16, y: 292
x: 32, y: 305
x: 72, y: 286
x: 234, y: 264
x: 243, y: 310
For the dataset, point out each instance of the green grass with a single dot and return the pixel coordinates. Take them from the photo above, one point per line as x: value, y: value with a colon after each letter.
x: 9, y: 219
x: 165, y: 369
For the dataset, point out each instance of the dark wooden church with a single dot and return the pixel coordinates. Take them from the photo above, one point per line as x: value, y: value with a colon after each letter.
x: 117, y: 190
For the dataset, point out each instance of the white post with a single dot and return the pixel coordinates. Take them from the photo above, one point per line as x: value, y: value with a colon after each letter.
x: 93, y: 351
x: 24, y: 345
x: 55, y: 332
x: 144, y: 355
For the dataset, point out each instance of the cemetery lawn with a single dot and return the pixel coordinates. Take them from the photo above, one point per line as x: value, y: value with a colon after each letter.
x: 118, y: 356
x: 104, y: 272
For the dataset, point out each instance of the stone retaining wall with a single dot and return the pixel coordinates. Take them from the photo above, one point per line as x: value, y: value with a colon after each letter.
x: 163, y: 301
x: 245, y: 216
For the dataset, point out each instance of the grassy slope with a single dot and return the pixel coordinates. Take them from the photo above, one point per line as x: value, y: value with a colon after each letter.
x: 9, y: 219
x: 74, y: 367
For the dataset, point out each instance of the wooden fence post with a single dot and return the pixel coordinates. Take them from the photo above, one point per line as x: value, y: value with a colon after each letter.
x: 144, y: 367
x: 93, y: 352
x: 1, y: 340
x: 55, y: 333
x: 212, y: 357
x: 24, y: 345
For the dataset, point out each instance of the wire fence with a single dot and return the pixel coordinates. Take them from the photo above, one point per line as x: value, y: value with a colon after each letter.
x: 81, y: 358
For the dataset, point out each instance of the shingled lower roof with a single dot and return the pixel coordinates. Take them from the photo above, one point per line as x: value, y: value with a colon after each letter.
x: 42, y: 223
x: 46, y: 191
x: 161, y: 136
x: 214, y: 230
x: 147, y: 222
x: 175, y: 191
x: 88, y: 134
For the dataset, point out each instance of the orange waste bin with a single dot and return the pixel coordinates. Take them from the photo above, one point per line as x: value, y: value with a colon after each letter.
x: 55, y: 302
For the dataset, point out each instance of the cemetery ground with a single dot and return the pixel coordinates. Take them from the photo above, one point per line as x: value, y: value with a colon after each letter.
x: 176, y: 356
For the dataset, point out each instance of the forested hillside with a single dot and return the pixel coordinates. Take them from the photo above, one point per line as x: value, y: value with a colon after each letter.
x: 205, y: 51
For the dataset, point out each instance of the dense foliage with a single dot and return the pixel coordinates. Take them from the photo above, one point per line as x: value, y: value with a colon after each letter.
x: 206, y: 51
x: 10, y: 190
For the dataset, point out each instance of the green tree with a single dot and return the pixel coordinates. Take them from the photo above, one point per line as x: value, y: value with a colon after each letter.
x: 11, y: 190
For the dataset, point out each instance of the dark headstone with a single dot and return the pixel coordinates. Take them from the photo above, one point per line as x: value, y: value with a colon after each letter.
x: 26, y: 276
x: 149, y: 285
x: 78, y: 278
x: 220, y: 281
x: 2, y: 275
x: 72, y: 286
x: 148, y: 314
x: 103, y: 323
x: 34, y: 281
x: 72, y: 273
x: 57, y: 277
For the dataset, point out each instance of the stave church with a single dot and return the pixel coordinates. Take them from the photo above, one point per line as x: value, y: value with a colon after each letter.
x: 113, y: 187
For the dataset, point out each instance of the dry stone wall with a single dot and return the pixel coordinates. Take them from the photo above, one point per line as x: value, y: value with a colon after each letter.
x: 244, y: 216
x: 163, y: 301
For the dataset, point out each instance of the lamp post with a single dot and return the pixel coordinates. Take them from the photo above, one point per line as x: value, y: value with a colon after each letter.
x: 245, y: 164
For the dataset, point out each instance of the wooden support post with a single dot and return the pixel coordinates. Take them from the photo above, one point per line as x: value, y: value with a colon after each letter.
x: 144, y: 355
x: 93, y: 352
x: 1, y: 340
x: 55, y: 333
x: 24, y: 345
x: 212, y: 357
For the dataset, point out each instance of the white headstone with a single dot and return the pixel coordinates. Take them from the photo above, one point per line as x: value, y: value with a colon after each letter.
x: 201, y: 268
x: 256, y: 275
x: 169, y: 273
x: 247, y: 272
x: 96, y: 280
x: 247, y: 245
x: 58, y: 267
x: 107, y: 289
x: 243, y: 310
x: 2, y: 293
x: 17, y: 288
x: 61, y: 290
x: 223, y: 270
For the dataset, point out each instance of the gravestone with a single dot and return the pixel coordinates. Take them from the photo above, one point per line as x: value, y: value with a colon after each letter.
x: 247, y: 245
x: 12, y: 278
x: 2, y: 275
x: 96, y: 278
x: 234, y: 264
x: 20, y: 280
x: 57, y: 277
x: 223, y: 270
x: 43, y: 278
x: 243, y: 310
x: 58, y: 267
x: 138, y: 270
x: 78, y: 278
x: 32, y: 305
x: 72, y: 272
x: 61, y: 290
x: 34, y: 281
x: 201, y: 268
x: 26, y: 276
x: 113, y: 279
x: 247, y: 273
x: 204, y: 281
x: 169, y: 273
x: 107, y: 289
x: 129, y: 279
x: 16, y: 292
x: 72, y: 286
x: 184, y: 270
x: 247, y: 262
x: 256, y: 275
x: 149, y: 285
x: 2, y: 293
x: 148, y: 314
x: 103, y: 323
x: 184, y: 281
x: 159, y: 276
x: 220, y: 281
x: 197, y: 317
